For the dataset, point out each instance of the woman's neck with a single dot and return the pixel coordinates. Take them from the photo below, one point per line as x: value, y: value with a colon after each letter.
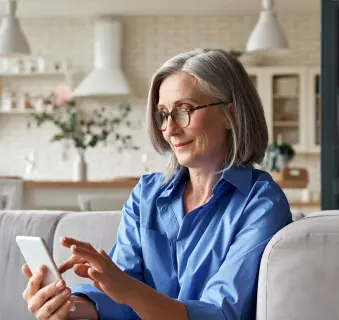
x: 199, y: 186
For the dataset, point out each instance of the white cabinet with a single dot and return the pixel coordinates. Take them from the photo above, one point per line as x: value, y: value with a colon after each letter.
x: 291, y: 101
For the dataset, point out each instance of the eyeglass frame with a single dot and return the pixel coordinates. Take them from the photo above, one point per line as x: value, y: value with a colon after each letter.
x: 189, y: 111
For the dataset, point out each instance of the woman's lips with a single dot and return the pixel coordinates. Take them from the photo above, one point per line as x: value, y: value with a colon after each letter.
x: 182, y: 144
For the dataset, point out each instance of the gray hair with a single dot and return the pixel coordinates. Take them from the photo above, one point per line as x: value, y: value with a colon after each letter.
x: 222, y: 76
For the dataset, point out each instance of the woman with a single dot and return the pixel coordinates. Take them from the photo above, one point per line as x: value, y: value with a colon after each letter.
x: 190, y: 241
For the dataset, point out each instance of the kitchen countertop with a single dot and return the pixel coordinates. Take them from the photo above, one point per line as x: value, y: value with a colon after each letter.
x: 127, y: 182
x: 130, y: 182
x: 104, y: 184
x: 305, y: 204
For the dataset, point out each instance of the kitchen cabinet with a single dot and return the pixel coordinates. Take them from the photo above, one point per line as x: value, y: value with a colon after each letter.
x: 314, y: 107
x: 291, y: 101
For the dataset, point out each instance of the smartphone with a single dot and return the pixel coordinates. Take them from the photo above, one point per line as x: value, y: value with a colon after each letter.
x: 36, y: 253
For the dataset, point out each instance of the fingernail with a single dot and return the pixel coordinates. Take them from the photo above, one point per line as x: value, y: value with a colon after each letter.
x: 59, y: 284
x: 65, y: 292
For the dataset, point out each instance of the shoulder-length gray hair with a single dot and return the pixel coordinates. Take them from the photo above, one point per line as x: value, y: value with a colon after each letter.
x: 224, y: 78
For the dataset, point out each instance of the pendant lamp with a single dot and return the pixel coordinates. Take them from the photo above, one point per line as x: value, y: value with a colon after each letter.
x: 13, y: 41
x: 267, y: 35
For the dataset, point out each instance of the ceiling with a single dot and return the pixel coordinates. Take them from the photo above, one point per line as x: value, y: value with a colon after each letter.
x: 155, y: 7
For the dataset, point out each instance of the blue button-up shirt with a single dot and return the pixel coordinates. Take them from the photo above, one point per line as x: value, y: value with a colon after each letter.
x: 209, y: 258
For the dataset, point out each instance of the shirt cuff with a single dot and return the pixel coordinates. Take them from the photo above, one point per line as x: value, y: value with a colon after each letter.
x: 199, y: 310
x: 105, y: 306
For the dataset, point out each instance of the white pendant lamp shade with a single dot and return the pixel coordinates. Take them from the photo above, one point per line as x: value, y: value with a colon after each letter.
x: 267, y: 35
x: 12, y: 38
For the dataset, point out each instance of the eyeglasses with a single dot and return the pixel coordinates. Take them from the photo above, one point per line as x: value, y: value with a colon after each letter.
x: 180, y: 116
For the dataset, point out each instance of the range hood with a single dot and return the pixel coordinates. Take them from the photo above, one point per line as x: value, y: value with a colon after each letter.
x: 107, y: 78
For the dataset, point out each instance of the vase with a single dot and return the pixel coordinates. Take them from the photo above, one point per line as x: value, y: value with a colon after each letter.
x: 80, y: 167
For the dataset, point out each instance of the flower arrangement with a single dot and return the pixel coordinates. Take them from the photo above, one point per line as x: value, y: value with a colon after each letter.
x: 83, y: 131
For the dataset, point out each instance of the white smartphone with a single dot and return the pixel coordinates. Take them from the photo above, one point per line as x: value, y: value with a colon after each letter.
x: 36, y: 253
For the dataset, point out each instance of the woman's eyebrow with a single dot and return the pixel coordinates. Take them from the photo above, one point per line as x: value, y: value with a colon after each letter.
x: 178, y: 102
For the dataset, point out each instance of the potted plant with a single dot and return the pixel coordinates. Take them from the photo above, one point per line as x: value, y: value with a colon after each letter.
x: 278, y: 155
x: 80, y: 130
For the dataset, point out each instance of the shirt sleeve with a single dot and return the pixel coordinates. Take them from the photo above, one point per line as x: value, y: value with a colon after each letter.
x: 127, y: 255
x: 231, y: 293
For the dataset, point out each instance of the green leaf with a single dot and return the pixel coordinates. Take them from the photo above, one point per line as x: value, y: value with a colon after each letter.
x: 58, y: 137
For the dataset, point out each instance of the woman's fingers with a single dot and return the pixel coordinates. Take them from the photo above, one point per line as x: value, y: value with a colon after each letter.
x: 26, y: 271
x: 36, y: 302
x: 82, y: 270
x: 34, y: 283
x: 95, y: 275
x: 62, y: 312
x: 90, y: 255
x: 97, y: 285
x: 56, y: 306
x: 68, y: 242
x: 70, y: 262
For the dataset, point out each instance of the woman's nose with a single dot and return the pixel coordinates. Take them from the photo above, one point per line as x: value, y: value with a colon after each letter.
x: 172, y: 128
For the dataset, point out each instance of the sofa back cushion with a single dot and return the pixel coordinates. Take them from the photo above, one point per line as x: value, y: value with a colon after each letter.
x: 12, y: 281
x: 299, y: 272
x: 98, y: 228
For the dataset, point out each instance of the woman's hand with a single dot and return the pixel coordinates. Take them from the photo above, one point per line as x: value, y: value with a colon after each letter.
x: 106, y: 276
x: 50, y: 302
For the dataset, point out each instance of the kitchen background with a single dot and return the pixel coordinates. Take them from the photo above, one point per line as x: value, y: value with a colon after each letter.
x: 147, y: 41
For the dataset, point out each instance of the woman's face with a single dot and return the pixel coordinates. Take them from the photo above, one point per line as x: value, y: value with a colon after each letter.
x: 203, y: 142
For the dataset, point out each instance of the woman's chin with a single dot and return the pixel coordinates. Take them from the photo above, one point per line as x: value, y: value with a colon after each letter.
x: 185, y: 161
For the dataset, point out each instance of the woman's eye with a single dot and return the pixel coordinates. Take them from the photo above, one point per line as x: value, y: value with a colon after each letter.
x: 185, y: 106
x: 182, y: 110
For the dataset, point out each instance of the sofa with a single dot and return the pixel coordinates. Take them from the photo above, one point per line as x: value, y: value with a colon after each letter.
x: 298, y: 277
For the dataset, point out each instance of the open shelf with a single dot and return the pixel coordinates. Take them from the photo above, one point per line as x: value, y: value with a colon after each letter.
x: 286, y: 123
x: 33, y: 74
x: 21, y: 111
x: 285, y: 96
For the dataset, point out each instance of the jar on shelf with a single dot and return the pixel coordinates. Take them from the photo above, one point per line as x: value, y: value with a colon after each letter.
x: 57, y: 66
x: 30, y: 66
x: 4, y: 65
x: 41, y: 64
x: 65, y: 65
x: 25, y: 101
x: 18, y: 66
x: 14, y: 100
x: 6, y: 100
x: 38, y: 103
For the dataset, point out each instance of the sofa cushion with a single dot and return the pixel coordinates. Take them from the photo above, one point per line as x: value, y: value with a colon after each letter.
x: 98, y: 228
x: 299, y: 272
x: 12, y: 281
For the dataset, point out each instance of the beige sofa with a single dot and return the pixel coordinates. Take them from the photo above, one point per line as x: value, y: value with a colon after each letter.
x: 298, y: 278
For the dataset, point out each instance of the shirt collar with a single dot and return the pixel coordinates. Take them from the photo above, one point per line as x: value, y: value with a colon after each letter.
x: 172, y: 183
x: 240, y: 177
